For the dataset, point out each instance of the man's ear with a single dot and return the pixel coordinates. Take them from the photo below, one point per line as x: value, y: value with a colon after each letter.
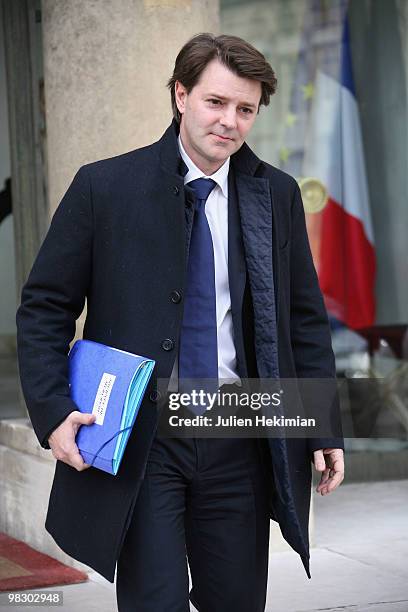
x: 181, y: 94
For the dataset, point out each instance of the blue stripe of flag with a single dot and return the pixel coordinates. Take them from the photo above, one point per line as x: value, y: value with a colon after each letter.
x: 346, y: 67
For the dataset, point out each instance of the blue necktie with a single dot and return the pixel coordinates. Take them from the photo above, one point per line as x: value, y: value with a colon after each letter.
x: 198, y: 356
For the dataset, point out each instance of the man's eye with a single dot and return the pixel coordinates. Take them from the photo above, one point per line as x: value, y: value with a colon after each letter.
x: 214, y: 101
x: 246, y: 111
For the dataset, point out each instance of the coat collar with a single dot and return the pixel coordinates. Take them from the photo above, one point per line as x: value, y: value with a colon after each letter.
x: 244, y: 161
x: 170, y: 158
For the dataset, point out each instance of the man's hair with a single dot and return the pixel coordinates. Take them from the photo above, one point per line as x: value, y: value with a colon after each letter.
x: 234, y: 52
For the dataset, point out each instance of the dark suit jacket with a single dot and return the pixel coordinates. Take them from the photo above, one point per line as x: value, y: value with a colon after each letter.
x: 120, y: 239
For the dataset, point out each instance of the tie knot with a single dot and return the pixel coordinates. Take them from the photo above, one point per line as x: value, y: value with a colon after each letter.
x: 202, y: 187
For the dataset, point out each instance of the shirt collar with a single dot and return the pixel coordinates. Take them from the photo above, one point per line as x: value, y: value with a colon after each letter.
x: 220, y: 177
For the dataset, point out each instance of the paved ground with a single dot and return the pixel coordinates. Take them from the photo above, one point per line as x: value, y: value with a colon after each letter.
x: 359, y: 562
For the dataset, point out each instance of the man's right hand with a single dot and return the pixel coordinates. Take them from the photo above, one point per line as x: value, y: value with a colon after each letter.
x: 62, y: 439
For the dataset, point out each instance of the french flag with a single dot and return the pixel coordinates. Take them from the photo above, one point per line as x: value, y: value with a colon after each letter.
x: 346, y: 262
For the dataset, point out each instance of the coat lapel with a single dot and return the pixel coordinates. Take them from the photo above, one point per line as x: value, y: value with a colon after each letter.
x: 255, y: 210
x: 177, y: 202
x: 236, y: 273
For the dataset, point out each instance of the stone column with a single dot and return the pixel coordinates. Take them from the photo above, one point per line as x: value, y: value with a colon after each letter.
x: 106, y: 65
x: 22, y: 43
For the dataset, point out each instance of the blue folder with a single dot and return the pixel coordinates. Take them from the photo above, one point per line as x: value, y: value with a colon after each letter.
x: 109, y: 383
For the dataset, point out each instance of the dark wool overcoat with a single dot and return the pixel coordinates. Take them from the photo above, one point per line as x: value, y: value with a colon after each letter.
x: 119, y: 240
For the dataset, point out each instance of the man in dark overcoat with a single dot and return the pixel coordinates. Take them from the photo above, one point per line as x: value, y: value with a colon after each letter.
x: 129, y: 238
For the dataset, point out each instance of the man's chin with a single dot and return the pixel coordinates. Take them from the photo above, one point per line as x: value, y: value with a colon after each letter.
x: 223, y: 150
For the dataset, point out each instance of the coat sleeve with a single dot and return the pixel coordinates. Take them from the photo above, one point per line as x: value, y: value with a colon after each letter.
x: 52, y: 299
x: 310, y: 331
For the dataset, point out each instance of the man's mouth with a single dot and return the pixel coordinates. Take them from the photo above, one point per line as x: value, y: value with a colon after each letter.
x: 226, y: 138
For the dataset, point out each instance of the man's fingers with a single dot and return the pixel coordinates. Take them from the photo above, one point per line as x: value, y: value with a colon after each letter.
x: 330, y: 484
x: 62, y: 440
x: 334, y: 481
x: 77, y: 462
x: 325, y: 476
x: 319, y: 462
x: 323, y: 480
x: 77, y: 419
x: 330, y: 461
x: 82, y: 418
x: 71, y: 456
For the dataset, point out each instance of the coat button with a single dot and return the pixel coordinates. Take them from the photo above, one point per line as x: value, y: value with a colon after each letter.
x: 168, y: 344
x: 176, y: 190
x: 175, y: 297
x: 155, y: 395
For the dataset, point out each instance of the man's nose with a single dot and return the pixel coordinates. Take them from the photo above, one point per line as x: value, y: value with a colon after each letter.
x: 229, y: 118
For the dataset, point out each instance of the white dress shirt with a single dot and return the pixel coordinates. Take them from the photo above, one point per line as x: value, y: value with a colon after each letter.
x: 216, y: 210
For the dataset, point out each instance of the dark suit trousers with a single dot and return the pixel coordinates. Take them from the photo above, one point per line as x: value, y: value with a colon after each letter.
x: 205, y: 499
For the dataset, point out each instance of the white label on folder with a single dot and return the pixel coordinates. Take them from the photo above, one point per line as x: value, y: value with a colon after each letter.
x: 102, y: 397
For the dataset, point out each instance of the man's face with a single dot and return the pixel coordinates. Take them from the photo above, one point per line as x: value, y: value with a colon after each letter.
x: 216, y: 115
